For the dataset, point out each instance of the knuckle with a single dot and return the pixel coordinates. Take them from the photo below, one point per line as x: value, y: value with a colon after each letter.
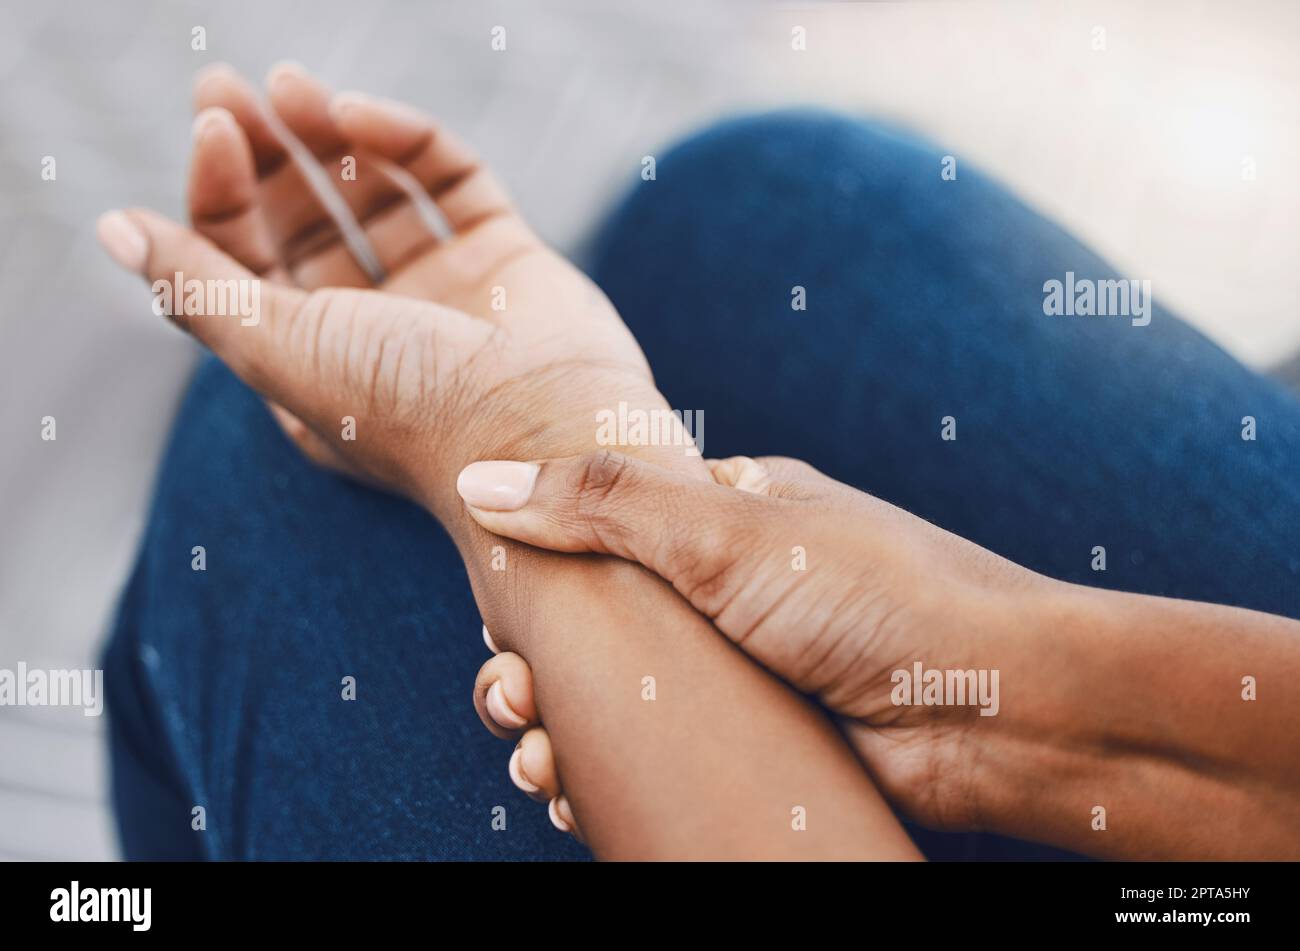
x: 596, y: 476
x: 598, y: 483
x: 793, y: 479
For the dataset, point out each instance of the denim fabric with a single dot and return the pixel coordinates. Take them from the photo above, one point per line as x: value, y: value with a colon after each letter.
x: 924, y: 300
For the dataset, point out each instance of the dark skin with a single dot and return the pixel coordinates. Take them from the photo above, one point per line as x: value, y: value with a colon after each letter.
x: 1129, y: 703
x: 719, y: 763
x: 1177, y: 718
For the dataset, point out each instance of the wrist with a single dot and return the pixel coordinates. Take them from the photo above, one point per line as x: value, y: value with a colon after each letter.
x: 1030, y: 771
x: 1113, y: 743
x: 543, y: 426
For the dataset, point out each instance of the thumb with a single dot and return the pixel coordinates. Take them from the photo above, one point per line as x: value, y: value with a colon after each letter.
x: 684, y: 529
x: 239, y: 316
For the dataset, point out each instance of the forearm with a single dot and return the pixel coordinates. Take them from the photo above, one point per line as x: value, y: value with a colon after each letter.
x: 713, y: 757
x: 716, y: 763
x: 1137, y: 705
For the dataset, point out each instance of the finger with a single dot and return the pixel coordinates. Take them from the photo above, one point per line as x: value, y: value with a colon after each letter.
x: 249, y: 335
x: 464, y: 188
x: 291, y: 207
x: 681, y: 528
x: 795, y: 479
x: 314, y: 354
x: 223, y: 192
x: 491, y: 644
x: 281, y: 194
x: 561, y: 814
x: 503, y: 695
x: 532, y: 766
x: 394, y: 228
x: 308, y: 208
x: 220, y: 86
x: 739, y: 472
x: 303, y: 229
x: 778, y: 477
x: 302, y: 102
x: 785, y: 469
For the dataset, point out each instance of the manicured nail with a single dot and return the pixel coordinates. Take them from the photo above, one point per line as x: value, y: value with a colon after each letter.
x: 208, y: 120
x: 497, y: 486
x: 560, y: 813
x: 517, y: 774
x: 123, y: 240
x: 498, y: 707
x: 491, y: 644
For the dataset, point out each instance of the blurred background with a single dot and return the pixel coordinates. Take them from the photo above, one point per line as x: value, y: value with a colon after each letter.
x: 1138, y: 147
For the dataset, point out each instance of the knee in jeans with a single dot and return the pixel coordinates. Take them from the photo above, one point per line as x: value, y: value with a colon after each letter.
x: 793, y: 161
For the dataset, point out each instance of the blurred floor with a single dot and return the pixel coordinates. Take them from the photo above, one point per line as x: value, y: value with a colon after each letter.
x: 1138, y: 147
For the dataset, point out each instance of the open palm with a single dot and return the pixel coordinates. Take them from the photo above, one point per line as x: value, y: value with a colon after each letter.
x: 547, y: 346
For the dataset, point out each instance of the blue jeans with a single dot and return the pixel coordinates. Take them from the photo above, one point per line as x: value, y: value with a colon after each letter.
x: 924, y: 300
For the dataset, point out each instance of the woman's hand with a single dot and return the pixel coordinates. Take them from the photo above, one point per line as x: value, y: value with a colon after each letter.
x: 827, y: 587
x: 518, y: 334
x: 1119, y: 723
x: 517, y: 357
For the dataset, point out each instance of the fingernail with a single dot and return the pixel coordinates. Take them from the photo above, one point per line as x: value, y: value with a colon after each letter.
x: 557, y: 811
x: 498, y: 707
x: 209, y: 119
x: 123, y: 240
x: 517, y: 774
x: 497, y: 486
x: 282, y: 70
x: 213, y: 69
x: 491, y: 644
